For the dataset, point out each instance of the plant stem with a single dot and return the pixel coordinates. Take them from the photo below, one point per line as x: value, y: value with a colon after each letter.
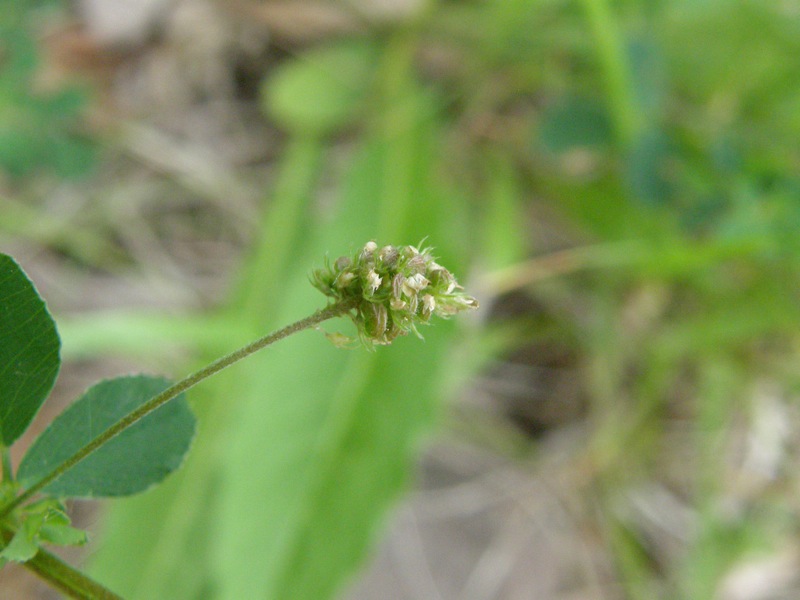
x: 61, y: 576
x: 334, y: 310
x: 8, y: 471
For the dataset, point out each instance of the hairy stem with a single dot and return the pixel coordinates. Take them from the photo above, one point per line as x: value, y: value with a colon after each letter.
x: 171, y: 392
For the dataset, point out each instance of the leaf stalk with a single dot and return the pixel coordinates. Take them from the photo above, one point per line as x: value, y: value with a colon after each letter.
x: 333, y: 310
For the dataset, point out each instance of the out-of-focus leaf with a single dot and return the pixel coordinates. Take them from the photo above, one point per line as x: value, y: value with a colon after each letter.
x: 575, y: 123
x: 133, y: 461
x: 651, y: 168
x: 648, y: 74
x: 284, y: 501
x: 305, y: 496
x: 29, y: 351
x: 38, y: 129
x: 322, y: 90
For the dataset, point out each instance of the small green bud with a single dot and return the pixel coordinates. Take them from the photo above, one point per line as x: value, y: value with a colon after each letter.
x: 392, y: 289
x: 397, y: 285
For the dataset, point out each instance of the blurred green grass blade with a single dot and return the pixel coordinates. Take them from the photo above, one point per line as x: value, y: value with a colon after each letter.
x: 29, y: 351
x: 285, y: 222
x: 311, y: 96
x: 173, y: 553
x: 717, y: 541
x: 632, y: 560
x: 504, y: 220
x: 157, y: 545
x: 617, y: 72
x: 308, y: 487
x: 145, y: 334
x: 298, y: 449
x: 324, y: 438
x: 318, y: 454
x: 135, y: 460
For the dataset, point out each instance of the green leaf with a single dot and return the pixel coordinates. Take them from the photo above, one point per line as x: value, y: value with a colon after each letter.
x: 29, y: 351
x: 138, y: 458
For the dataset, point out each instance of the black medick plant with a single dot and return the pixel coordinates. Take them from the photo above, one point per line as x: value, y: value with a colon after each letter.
x: 126, y: 434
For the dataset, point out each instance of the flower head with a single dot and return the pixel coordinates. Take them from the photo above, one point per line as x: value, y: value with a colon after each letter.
x: 392, y: 290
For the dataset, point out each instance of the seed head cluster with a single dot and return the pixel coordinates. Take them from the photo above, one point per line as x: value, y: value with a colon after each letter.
x: 393, y: 289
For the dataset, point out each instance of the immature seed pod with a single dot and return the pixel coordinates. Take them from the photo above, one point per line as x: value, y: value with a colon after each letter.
x: 388, y: 255
x: 397, y: 285
x: 342, y: 263
x: 428, y: 306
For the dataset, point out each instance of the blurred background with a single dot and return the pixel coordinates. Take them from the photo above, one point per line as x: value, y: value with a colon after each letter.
x: 617, y: 182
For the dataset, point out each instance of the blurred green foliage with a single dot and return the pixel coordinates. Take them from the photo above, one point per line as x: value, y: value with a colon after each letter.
x: 310, y: 445
x: 658, y: 138
x: 39, y: 128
